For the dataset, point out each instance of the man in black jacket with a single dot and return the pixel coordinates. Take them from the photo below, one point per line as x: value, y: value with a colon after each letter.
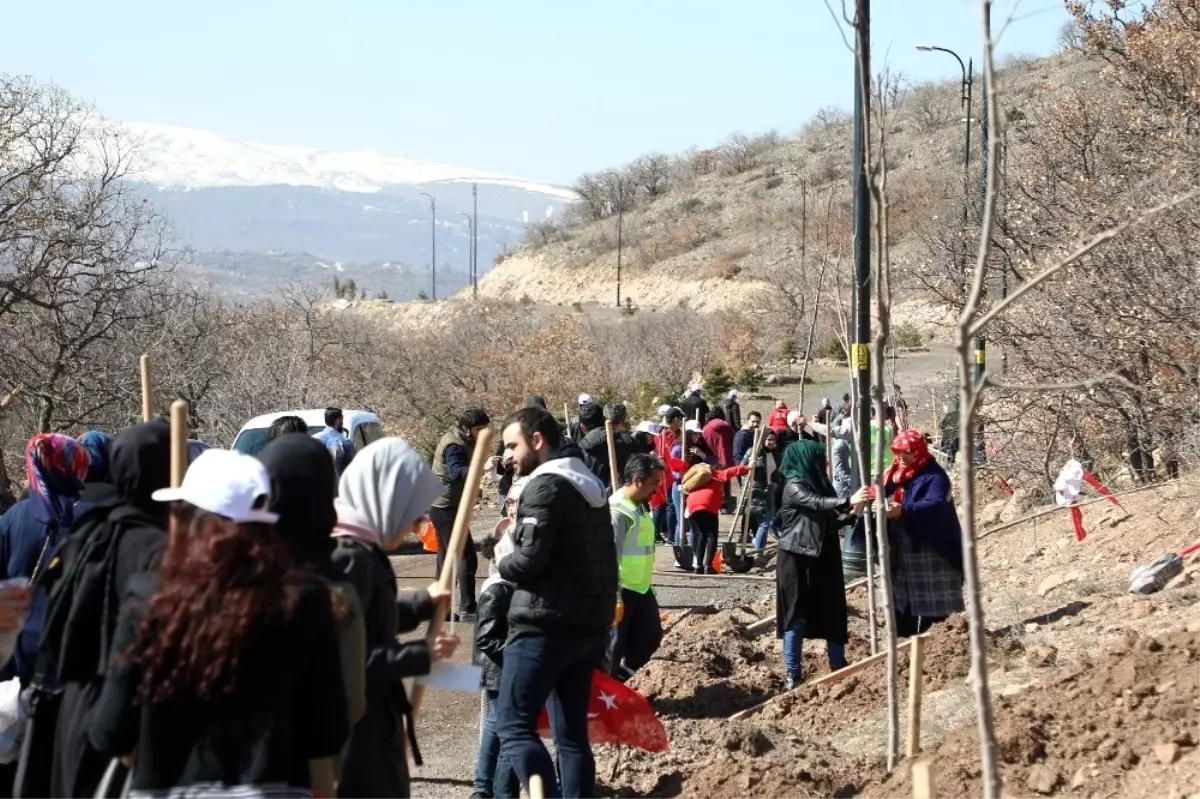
x: 595, y: 443
x: 694, y: 407
x: 564, y: 566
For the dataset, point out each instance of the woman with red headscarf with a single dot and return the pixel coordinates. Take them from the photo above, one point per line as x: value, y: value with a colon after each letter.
x: 926, y: 540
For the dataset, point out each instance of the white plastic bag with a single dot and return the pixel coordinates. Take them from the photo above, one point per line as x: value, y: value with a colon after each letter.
x: 13, y: 711
x: 1153, y: 576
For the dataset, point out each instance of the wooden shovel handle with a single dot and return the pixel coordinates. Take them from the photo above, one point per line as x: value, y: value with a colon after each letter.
x: 614, y: 478
x: 147, y: 389
x: 458, y: 540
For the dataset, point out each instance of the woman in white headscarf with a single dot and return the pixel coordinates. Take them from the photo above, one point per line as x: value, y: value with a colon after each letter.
x: 383, y: 494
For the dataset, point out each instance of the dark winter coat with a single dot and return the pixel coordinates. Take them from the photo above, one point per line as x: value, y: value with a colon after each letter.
x: 693, y: 403
x: 808, y: 577
x: 929, y: 514
x: 374, y: 762
x: 491, y: 630
x: 119, y: 536
x: 927, y: 573
x: 764, y: 488
x: 733, y: 413
x: 564, y: 563
x: 595, y: 446
x: 289, y: 711
x: 743, y: 442
x: 807, y: 519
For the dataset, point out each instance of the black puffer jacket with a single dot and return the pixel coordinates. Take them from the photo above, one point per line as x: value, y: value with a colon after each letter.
x: 491, y: 631
x: 564, y: 563
x: 806, y: 519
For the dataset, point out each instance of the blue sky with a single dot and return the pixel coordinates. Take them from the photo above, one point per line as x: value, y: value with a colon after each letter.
x: 535, y: 88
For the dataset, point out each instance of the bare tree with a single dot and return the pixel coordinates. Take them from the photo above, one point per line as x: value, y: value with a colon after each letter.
x: 883, y: 299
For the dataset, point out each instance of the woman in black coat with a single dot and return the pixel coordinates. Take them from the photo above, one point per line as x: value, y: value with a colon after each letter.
x: 382, y: 494
x: 810, y: 591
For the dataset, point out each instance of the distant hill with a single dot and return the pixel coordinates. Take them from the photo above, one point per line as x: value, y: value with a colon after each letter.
x: 229, y: 197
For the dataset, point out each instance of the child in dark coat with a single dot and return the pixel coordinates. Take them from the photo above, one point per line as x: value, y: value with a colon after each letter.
x: 493, y: 777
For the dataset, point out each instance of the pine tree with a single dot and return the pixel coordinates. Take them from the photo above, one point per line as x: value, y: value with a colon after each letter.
x: 717, y: 381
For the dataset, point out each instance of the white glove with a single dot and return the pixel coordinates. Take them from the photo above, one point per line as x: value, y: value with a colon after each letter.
x: 504, y: 548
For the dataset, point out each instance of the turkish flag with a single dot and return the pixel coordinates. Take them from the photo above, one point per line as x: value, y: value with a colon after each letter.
x: 617, y: 714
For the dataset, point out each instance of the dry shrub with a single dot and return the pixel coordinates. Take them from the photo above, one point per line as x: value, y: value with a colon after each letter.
x: 726, y: 266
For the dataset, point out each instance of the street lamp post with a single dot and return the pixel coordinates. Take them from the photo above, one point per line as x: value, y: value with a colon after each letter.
x: 432, y: 245
x: 620, y: 227
x: 470, y: 245
x: 968, y: 71
x: 475, y: 240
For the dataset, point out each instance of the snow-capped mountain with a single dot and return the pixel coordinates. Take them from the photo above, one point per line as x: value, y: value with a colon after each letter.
x: 259, y: 215
x: 184, y: 158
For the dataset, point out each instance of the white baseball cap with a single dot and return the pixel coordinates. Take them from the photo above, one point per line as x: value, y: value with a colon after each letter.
x: 733, y: 393
x: 647, y: 427
x: 226, y: 483
x: 584, y: 398
x: 663, y: 410
x: 695, y: 388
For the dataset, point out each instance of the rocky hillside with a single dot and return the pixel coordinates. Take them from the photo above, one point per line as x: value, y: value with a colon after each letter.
x: 728, y: 226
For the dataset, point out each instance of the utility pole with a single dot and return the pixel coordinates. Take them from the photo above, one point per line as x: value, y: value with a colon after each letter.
x: 475, y: 241
x: 860, y: 354
x: 432, y: 245
x: 620, y: 226
x: 470, y: 243
x: 980, y: 341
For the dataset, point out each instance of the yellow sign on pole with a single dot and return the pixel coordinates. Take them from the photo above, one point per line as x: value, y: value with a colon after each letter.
x: 860, y: 356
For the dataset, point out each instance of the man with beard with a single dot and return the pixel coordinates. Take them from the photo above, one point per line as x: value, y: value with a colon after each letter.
x: 451, y: 461
x: 564, y: 568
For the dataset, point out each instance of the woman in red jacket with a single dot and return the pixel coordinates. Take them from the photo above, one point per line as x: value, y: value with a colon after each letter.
x: 703, y: 507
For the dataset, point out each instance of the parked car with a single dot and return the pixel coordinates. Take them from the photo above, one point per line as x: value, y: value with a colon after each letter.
x: 362, y: 427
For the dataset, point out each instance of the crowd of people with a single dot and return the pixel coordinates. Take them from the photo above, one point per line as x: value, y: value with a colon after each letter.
x: 237, y: 634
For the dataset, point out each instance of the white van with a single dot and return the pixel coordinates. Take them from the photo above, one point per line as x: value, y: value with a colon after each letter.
x: 362, y: 427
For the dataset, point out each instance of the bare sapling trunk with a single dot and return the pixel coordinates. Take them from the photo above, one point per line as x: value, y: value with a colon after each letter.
x: 878, y: 357
x: 812, y: 330
x: 968, y: 395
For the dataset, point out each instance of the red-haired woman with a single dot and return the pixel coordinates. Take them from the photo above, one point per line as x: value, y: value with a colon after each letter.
x: 230, y: 678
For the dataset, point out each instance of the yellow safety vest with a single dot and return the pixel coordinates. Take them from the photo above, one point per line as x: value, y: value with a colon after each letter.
x: 636, y: 558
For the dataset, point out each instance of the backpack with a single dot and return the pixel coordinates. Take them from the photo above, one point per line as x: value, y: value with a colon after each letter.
x: 83, y: 603
x: 696, y: 477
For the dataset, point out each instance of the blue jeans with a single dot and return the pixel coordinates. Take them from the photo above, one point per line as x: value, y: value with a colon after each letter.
x: 492, y: 773
x: 673, y: 512
x: 793, y: 650
x: 536, y: 668
x: 764, y: 522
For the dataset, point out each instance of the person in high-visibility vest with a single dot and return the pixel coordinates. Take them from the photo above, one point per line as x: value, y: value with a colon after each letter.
x: 639, y: 628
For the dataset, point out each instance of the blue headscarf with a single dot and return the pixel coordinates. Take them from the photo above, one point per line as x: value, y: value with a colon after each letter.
x: 98, y: 445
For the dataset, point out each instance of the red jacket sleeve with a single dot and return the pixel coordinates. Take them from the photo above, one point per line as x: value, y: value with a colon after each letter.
x: 735, y: 471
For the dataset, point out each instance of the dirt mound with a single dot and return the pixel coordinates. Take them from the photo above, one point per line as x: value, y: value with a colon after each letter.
x: 816, y: 709
x: 709, y: 665
x: 1122, y: 724
x: 736, y: 759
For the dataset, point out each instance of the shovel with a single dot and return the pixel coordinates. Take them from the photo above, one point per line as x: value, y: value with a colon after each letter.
x: 734, y: 553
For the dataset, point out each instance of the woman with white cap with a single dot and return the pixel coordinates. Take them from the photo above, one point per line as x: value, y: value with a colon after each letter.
x: 228, y: 678
x: 382, y: 495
